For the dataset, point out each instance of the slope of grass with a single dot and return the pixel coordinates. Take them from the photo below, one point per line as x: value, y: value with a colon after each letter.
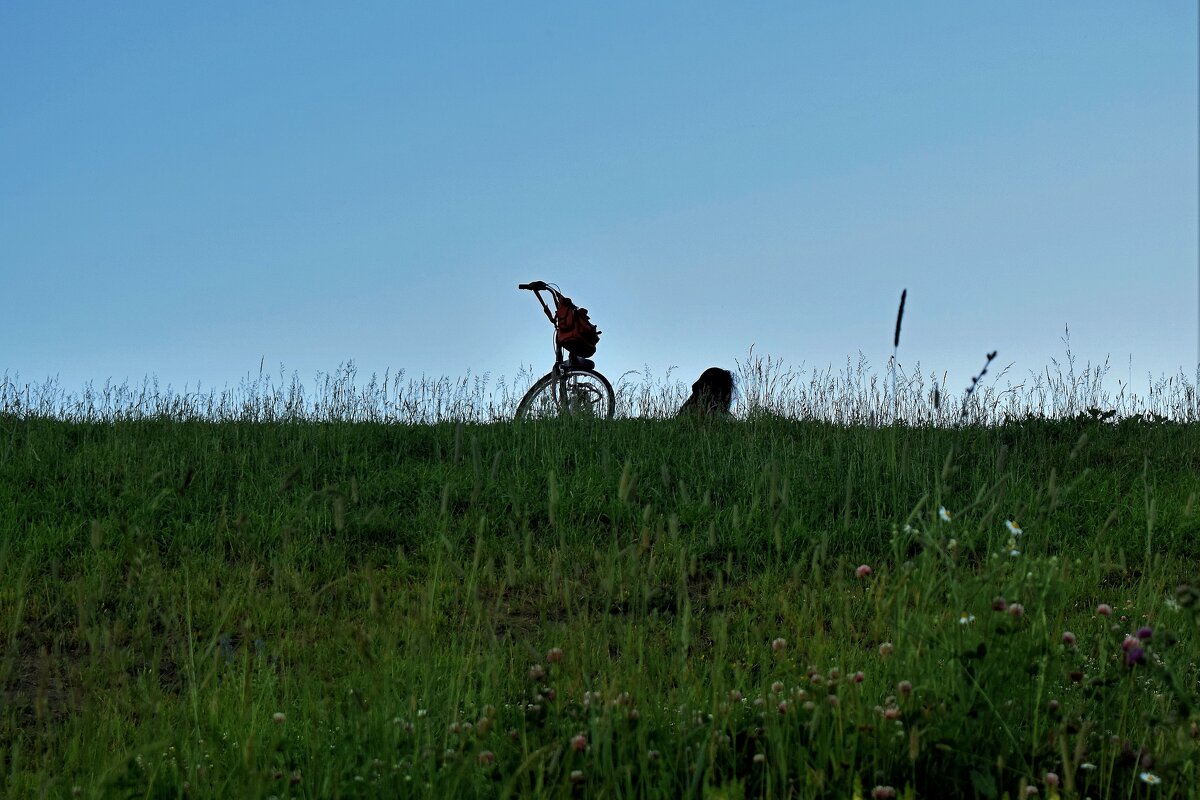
x: 644, y: 608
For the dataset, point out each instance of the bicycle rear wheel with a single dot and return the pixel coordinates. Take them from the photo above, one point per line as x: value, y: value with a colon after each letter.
x: 574, y: 392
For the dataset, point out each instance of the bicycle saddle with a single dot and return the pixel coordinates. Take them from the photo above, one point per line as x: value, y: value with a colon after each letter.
x: 584, y: 363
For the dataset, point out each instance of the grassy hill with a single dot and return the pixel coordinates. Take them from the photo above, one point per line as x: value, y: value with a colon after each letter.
x: 643, y: 608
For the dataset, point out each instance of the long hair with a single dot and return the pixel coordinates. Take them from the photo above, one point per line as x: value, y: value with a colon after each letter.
x: 712, y: 393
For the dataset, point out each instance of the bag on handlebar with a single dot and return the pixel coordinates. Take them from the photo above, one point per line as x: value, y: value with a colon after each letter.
x: 577, y: 334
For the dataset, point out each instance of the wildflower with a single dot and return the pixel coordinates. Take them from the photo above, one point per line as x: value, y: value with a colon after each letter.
x: 891, y: 713
x: 278, y: 717
x: 1013, y: 528
x: 486, y: 757
x: 882, y: 793
x: 759, y: 758
x: 886, y: 649
x: 1014, y: 552
x: 777, y: 687
x: 579, y: 743
x: 1087, y: 765
x: 1145, y: 633
x: 1104, y: 610
x: 1016, y: 610
x: 1050, y: 779
x: 1150, y: 778
x: 1135, y: 656
x: 832, y: 700
x: 554, y: 655
x: 653, y: 755
x: 1030, y: 791
x: 1068, y: 638
x: 537, y: 672
x: 1129, y: 643
x: 809, y: 705
x: 779, y: 644
x: 863, y: 571
x: 943, y: 514
x: 905, y: 687
x: 859, y: 677
x: 782, y: 707
x: 999, y: 604
x: 576, y: 776
x: 965, y: 619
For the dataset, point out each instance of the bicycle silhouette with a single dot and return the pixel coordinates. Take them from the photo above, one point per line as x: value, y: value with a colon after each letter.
x: 573, y: 387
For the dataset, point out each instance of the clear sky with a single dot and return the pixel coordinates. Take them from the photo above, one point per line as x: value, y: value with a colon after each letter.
x: 189, y: 188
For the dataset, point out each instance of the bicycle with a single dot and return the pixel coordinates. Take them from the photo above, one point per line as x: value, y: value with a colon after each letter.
x: 573, y: 386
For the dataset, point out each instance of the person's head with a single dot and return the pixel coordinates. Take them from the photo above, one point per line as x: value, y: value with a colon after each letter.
x: 712, y: 393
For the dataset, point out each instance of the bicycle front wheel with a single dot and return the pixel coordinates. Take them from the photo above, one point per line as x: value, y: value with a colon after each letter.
x: 575, y: 392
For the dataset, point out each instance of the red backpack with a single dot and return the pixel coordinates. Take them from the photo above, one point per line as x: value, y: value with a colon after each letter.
x: 577, y: 334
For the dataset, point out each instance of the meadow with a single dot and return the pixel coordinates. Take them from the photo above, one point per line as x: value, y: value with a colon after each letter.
x: 854, y: 588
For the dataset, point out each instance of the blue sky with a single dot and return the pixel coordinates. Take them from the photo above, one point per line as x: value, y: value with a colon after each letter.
x: 188, y: 189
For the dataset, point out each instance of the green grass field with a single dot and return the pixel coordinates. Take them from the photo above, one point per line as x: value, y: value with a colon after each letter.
x: 643, y: 608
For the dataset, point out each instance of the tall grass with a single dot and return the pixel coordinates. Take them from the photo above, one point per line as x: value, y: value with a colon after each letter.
x: 299, y: 591
x: 853, y: 395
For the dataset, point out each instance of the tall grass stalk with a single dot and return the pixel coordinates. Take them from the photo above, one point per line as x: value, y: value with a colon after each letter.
x: 896, y: 351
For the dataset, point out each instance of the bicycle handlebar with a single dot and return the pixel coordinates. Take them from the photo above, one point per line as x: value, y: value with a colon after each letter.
x: 534, y: 287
